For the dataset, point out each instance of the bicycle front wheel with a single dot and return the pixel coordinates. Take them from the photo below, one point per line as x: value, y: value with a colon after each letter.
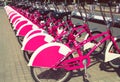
x: 49, y: 75
x: 20, y: 40
x: 27, y: 55
x: 116, y: 62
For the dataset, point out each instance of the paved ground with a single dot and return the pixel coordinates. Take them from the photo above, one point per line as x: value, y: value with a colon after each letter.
x: 13, y: 67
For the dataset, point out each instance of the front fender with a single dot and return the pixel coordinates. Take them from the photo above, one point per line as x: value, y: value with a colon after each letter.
x: 48, y: 55
x: 110, y: 55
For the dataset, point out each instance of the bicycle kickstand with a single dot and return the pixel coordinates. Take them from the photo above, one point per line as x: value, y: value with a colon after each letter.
x: 86, y: 74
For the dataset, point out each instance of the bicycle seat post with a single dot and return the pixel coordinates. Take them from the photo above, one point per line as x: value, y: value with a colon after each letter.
x: 109, y: 22
x: 87, y: 16
x: 111, y: 14
x: 84, y: 18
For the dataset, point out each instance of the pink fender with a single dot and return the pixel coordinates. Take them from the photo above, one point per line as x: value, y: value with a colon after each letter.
x: 11, y: 15
x: 36, y: 40
x: 48, y: 55
x: 12, y: 12
x: 19, y: 24
x: 18, y: 20
x: 23, y: 21
x: 9, y: 11
x: 34, y: 31
x: 6, y: 8
x: 15, y: 18
x: 23, y: 30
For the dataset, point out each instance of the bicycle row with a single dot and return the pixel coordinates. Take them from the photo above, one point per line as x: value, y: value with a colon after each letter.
x: 49, y: 39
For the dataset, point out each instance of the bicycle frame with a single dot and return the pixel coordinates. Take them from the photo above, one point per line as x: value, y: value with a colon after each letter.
x: 78, y: 62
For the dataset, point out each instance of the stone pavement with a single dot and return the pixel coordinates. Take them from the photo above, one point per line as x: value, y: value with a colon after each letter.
x: 13, y: 67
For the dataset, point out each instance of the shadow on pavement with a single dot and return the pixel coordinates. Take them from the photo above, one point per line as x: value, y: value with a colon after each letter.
x: 108, y: 68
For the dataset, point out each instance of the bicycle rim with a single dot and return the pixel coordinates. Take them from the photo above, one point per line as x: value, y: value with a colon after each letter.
x: 20, y: 40
x: 27, y: 55
x: 115, y: 63
x: 49, y: 75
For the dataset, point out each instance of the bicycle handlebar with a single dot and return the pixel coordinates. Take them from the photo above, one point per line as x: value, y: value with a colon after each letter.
x: 81, y: 8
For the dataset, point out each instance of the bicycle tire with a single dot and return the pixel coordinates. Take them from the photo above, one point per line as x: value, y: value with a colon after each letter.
x: 116, y: 62
x: 27, y: 55
x: 20, y: 40
x: 101, y: 47
x: 51, y: 75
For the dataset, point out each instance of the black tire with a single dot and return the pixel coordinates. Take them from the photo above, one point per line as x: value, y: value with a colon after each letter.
x: 100, y: 48
x: 116, y: 62
x: 20, y: 40
x: 15, y: 31
x: 27, y: 55
x: 49, y: 75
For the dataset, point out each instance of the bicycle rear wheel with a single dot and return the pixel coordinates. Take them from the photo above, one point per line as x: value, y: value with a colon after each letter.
x: 116, y: 62
x: 49, y: 75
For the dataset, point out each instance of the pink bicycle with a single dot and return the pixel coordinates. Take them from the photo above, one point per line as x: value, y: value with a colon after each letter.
x: 67, y: 36
x: 55, y: 62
